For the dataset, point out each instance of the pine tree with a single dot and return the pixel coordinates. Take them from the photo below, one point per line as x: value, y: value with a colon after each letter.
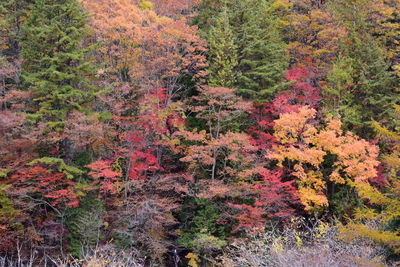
x: 12, y: 15
x: 262, y: 58
x: 373, y: 93
x: 336, y: 92
x: 222, y: 52
x: 208, y: 13
x: 55, y: 66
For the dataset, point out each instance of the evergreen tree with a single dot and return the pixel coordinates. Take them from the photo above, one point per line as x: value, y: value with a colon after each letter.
x: 222, y: 52
x: 372, y: 94
x: 12, y: 16
x: 262, y: 58
x: 337, y: 97
x: 252, y: 34
x: 55, y: 66
x: 208, y: 13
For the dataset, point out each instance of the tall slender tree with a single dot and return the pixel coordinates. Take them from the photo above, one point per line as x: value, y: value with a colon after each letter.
x: 262, y: 58
x: 222, y: 54
x: 56, y: 68
x: 372, y: 94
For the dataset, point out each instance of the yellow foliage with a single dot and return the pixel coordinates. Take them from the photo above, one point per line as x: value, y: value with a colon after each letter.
x: 193, y: 259
x: 369, y: 222
x: 306, y: 145
x: 387, y: 238
x: 312, y: 201
x: 289, y: 125
x: 322, y: 229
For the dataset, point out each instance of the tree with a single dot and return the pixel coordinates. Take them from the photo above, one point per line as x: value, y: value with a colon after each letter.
x: 179, y: 61
x: 208, y: 11
x: 386, y: 22
x: 274, y: 200
x: 313, y: 35
x: 304, y: 90
x: 174, y: 7
x: 318, y: 157
x: 56, y: 68
x: 377, y: 220
x: 337, y: 91
x: 219, y: 145
x: 260, y: 49
x: 222, y: 53
x: 262, y: 58
x: 118, y: 30
x: 373, y: 90
x: 13, y: 14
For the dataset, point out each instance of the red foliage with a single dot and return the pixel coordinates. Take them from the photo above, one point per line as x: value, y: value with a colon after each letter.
x: 263, y: 114
x: 274, y: 200
x: 380, y: 180
x: 50, y: 184
x: 142, y: 160
x: 106, y: 177
x: 275, y: 195
x: 301, y: 93
x: 249, y: 218
x: 150, y: 131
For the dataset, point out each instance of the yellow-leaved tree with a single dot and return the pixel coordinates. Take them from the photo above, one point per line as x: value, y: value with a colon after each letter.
x: 379, y: 220
x: 320, y: 157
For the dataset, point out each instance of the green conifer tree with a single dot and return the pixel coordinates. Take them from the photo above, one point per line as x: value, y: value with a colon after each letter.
x: 56, y: 67
x: 372, y: 95
x: 208, y: 14
x: 12, y: 16
x: 337, y: 96
x: 222, y: 52
x: 262, y: 57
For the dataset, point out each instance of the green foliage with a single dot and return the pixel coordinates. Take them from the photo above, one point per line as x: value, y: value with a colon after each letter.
x: 4, y: 173
x: 372, y: 89
x: 229, y: 153
x: 84, y: 224
x: 12, y: 15
x: 81, y: 159
x: 69, y: 171
x: 56, y: 68
x: 144, y: 4
x: 336, y: 93
x: 246, y: 47
x: 262, y: 57
x: 208, y: 13
x: 222, y: 54
x: 7, y: 210
x: 343, y: 201
x: 202, y: 229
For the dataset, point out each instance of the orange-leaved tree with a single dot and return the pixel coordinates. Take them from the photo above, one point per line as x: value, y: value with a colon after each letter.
x: 377, y: 219
x: 308, y: 150
x: 219, y: 149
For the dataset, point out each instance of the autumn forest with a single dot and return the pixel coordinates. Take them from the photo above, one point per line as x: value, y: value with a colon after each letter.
x: 202, y: 133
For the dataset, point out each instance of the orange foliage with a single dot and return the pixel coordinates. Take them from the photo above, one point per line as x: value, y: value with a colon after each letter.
x: 218, y: 144
x: 174, y: 7
x: 306, y: 145
x: 153, y: 51
x: 315, y: 35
